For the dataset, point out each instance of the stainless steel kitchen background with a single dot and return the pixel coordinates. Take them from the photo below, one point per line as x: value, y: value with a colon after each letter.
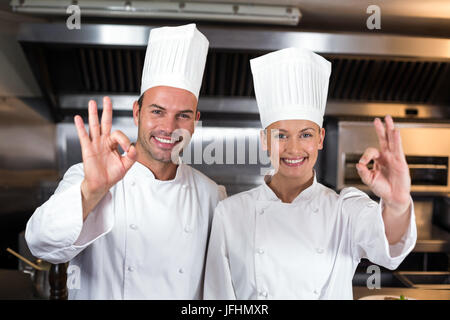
x: 48, y: 74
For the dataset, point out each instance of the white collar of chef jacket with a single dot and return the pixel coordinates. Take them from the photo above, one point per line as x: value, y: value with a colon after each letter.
x: 141, y: 171
x: 268, y: 194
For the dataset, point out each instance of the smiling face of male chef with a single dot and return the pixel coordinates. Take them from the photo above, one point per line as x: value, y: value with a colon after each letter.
x: 160, y: 111
x: 298, y: 143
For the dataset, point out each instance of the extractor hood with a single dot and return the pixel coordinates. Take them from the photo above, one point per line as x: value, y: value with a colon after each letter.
x: 370, y: 72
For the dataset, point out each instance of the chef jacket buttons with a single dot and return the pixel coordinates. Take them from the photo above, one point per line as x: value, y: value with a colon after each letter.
x: 316, y: 210
x: 133, y: 226
x: 262, y: 211
x: 316, y: 292
x: 133, y: 183
x: 181, y: 270
x: 260, y: 251
x: 187, y: 229
x: 263, y: 294
x: 131, y: 269
x: 319, y: 250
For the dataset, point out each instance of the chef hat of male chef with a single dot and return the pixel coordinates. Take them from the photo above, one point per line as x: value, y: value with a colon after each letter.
x: 291, y: 84
x: 175, y: 57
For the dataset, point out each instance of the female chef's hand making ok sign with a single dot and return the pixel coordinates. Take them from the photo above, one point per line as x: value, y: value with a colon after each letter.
x: 389, y: 178
x: 103, y: 165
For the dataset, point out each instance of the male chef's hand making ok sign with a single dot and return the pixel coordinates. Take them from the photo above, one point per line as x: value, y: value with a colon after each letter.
x: 389, y: 178
x: 103, y: 165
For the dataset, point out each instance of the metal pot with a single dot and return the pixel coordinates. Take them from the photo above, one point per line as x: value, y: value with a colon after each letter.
x: 41, y: 288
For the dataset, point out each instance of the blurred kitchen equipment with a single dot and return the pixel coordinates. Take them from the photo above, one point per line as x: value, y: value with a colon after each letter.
x: 426, y: 154
x: 50, y: 283
x: 425, y: 280
x: 39, y: 273
x: 424, y: 212
x: 442, y: 212
x: 39, y: 266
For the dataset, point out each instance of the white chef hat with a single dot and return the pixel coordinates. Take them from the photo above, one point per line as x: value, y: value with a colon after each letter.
x: 175, y: 57
x: 291, y: 84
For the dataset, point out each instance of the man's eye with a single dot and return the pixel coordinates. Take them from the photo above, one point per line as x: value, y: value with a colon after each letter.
x: 156, y: 111
x: 306, y: 135
x: 184, y: 116
x: 281, y: 136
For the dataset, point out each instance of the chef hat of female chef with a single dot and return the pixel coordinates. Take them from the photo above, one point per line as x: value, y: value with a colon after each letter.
x: 291, y: 84
x: 175, y: 57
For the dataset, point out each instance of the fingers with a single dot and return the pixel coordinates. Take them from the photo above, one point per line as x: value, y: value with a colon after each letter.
x: 368, y: 155
x: 82, y: 134
x: 388, y: 137
x: 381, y: 133
x: 94, y: 127
x: 393, y: 137
x: 131, y: 154
x: 118, y: 137
x: 106, y: 116
x: 130, y: 158
x: 363, y: 171
x: 390, y: 132
x: 365, y: 174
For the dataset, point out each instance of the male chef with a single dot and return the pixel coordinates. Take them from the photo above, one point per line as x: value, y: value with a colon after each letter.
x: 292, y: 237
x: 136, y: 224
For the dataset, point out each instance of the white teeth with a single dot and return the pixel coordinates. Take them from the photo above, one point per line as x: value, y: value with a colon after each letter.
x: 165, y: 140
x: 294, y: 161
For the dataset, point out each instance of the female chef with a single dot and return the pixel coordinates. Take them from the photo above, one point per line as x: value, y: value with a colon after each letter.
x: 292, y: 237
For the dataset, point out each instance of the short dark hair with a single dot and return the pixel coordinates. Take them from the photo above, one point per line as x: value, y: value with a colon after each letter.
x: 140, y: 100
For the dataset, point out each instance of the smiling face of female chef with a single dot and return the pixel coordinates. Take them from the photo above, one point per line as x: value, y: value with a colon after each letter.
x: 293, y: 147
x: 158, y: 113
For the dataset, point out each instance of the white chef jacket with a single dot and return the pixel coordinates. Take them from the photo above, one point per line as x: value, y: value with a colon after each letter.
x: 262, y: 248
x: 146, y: 239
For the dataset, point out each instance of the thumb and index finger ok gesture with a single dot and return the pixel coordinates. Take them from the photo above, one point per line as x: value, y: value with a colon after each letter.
x: 103, y: 165
x: 389, y: 178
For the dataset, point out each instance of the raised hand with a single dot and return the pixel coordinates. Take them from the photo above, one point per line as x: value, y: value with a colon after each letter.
x: 389, y: 178
x: 103, y: 165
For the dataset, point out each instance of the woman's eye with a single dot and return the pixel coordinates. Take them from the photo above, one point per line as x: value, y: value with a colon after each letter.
x: 281, y: 136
